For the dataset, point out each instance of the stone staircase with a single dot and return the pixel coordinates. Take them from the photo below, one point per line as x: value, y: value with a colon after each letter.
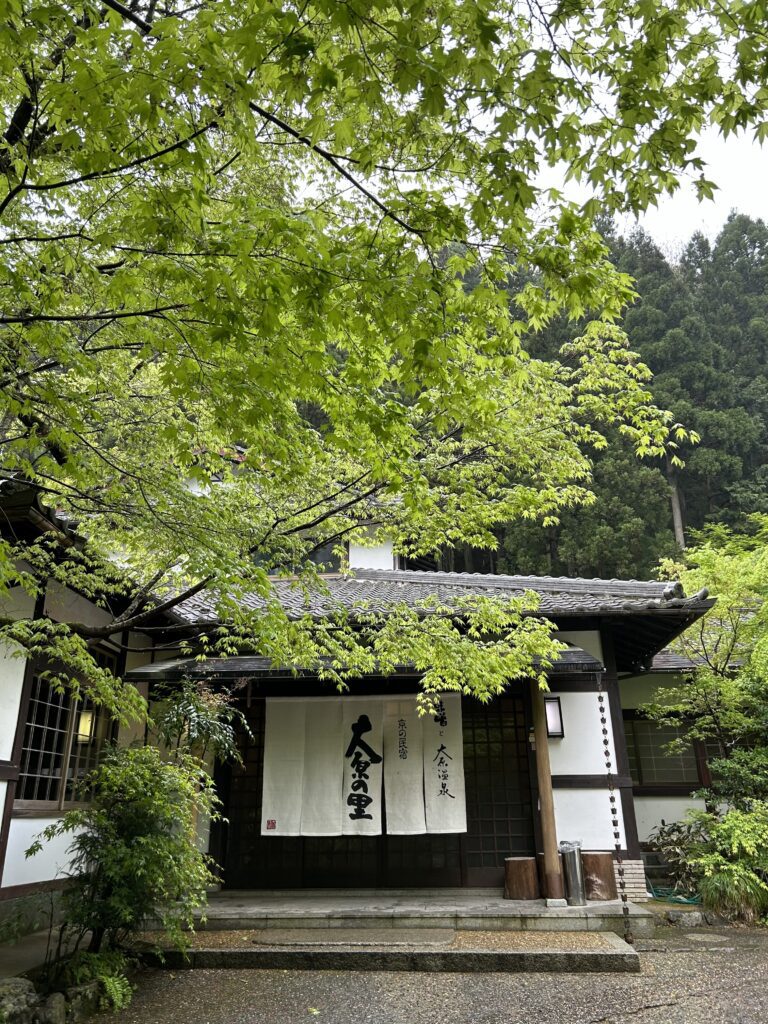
x: 408, y: 930
x: 656, y: 869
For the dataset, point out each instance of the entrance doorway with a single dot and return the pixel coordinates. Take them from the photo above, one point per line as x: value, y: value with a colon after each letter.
x: 500, y: 821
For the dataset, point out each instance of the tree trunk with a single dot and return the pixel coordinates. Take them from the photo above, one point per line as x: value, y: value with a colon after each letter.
x: 553, y: 552
x: 677, y: 506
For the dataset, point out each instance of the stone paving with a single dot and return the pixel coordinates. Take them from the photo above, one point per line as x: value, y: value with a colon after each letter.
x: 473, y: 909
x: 701, y: 976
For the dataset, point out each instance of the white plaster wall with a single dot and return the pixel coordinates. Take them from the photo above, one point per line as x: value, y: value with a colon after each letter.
x: 650, y: 810
x: 134, y: 658
x: 587, y: 639
x: 11, y: 682
x: 162, y: 654
x: 133, y: 732
x: 50, y: 863
x: 641, y: 689
x: 585, y: 814
x: 380, y: 556
x: 63, y: 605
x: 581, y: 750
x: 17, y: 604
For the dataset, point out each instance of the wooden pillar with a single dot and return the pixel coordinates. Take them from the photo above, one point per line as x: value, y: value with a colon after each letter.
x: 553, y: 878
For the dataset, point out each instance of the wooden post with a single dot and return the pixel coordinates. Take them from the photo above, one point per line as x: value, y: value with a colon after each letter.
x: 553, y: 878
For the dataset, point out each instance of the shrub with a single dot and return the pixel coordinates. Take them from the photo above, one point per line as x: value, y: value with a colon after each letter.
x: 732, y: 889
x: 677, y: 842
x: 134, y: 848
x: 733, y: 865
x: 723, y: 856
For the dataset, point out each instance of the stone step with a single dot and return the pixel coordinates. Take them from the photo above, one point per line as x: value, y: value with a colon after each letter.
x: 506, y: 915
x: 437, y: 950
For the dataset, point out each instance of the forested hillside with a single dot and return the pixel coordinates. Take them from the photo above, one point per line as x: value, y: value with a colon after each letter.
x: 701, y: 324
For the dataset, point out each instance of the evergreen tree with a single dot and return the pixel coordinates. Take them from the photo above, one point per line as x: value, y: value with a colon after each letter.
x: 701, y: 324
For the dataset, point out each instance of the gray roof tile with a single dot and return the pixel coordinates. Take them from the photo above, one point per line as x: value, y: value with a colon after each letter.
x: 379, y: 589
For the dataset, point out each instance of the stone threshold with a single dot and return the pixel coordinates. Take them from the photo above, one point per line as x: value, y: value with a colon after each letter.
x: 480, y: 952
x: 480, y: 910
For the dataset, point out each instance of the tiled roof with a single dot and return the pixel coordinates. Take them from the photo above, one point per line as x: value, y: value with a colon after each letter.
x: 376, y: 590
x: 669, y: 661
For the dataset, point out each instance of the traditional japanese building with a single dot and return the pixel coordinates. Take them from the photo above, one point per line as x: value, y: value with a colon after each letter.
x: 358, y: 790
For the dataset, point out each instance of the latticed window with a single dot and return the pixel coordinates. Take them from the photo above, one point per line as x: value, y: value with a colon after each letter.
x: 650, y: 761
x: 64, y: 740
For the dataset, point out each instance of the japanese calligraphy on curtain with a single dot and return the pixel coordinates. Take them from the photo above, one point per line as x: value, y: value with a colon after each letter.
x: 362, y: 766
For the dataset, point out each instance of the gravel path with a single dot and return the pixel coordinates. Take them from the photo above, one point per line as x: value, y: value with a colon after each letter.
x: 706, y: 976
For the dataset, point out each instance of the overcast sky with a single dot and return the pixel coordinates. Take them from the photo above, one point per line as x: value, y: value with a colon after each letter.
x: 739, y: 166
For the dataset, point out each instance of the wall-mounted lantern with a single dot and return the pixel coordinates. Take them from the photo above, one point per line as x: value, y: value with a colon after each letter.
x: 85, y: 723
x: 554, y: 718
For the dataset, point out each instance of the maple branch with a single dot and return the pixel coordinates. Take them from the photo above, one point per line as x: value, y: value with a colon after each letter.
x: 333, y: 160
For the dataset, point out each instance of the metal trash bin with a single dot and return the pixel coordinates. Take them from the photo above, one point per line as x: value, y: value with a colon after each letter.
x: 575, y: 889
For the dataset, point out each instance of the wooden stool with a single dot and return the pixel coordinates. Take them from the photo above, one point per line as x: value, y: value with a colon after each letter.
x: 521, y: 880
x: 599, y: 877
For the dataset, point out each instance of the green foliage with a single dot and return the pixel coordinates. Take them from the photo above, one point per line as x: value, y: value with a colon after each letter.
x: 733, y: 889
x: 709, y: 357
x: 109, y: 969
x: 733, y: 863
x: 621, y: 534
x: 742, y: 776
x: 201, y: 718
x: 676, y: 841
x: 724, y: 698
x: 229, y: 338
x: 721, y: 855
x: 699, y: 322
x: 724, y: 702
x: 134, y: 853
x: 476, y: 646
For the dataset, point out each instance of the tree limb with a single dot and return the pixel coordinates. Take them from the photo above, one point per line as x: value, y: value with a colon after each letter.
x: 334, y: 162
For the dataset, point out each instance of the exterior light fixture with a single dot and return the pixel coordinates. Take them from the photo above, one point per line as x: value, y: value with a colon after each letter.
x: 554, y: 718
x: 85, y: 723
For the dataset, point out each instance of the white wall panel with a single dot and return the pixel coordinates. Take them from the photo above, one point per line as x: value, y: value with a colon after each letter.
x: 11, y: 682
x: 585, y: 814
x: 64, y: 605
x: 587, y: 639
x: 17, y: 604
x: 581, y: 750
x: 642, y: 689
x: 50, y: 863
x: 380, y: 556
x: 650, y: 810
